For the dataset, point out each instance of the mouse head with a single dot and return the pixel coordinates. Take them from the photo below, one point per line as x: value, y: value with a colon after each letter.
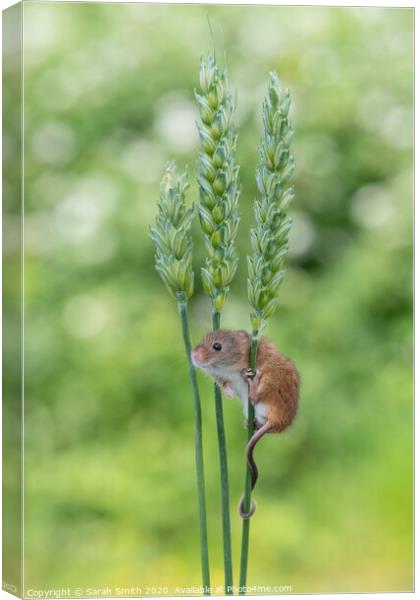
x: 222, y: 349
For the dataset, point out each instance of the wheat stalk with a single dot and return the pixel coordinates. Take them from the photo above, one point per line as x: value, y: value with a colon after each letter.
x: 218, y: 215
x: 173, y: 259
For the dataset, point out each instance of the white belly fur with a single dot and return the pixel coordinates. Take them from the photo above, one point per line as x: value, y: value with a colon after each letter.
x: 260, y: 411
x: 240, y: 387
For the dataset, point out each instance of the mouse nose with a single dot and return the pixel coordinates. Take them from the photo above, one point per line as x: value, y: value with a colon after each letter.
x: 196, y: 357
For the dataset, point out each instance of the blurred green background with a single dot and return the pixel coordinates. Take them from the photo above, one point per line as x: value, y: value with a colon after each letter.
x: 109, y: 464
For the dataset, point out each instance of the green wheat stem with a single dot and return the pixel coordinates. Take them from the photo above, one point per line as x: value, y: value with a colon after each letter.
x: 247, y: 494
x: 199, y: 461
x: 224, y: 477
x: 171, y: 237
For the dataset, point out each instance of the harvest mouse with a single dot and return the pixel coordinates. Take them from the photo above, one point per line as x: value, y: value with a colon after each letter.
x: 274, y: 390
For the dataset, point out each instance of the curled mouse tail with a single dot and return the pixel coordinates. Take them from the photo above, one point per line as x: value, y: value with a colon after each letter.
x: 250, y: 452
x: 253, y: 468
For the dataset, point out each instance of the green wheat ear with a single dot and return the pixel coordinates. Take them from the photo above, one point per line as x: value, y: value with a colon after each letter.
x: 172, y: 234
x: 269, y: 238
x: 217, y: 181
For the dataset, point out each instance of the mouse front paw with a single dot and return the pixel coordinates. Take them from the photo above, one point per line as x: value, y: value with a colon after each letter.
x: 226, y: 387
x: 253, y: 380
x: 228, y: 391
x: 248, y: 374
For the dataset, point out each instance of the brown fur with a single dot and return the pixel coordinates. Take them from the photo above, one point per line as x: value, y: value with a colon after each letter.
x: 278, y: 387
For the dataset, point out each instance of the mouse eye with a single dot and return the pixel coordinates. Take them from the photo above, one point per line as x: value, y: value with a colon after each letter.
x: 217, y: 346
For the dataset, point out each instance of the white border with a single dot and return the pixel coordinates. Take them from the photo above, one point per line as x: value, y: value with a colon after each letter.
x: 338, y: 3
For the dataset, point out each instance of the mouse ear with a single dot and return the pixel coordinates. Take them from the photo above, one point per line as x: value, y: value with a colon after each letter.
x: 244, y: 333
